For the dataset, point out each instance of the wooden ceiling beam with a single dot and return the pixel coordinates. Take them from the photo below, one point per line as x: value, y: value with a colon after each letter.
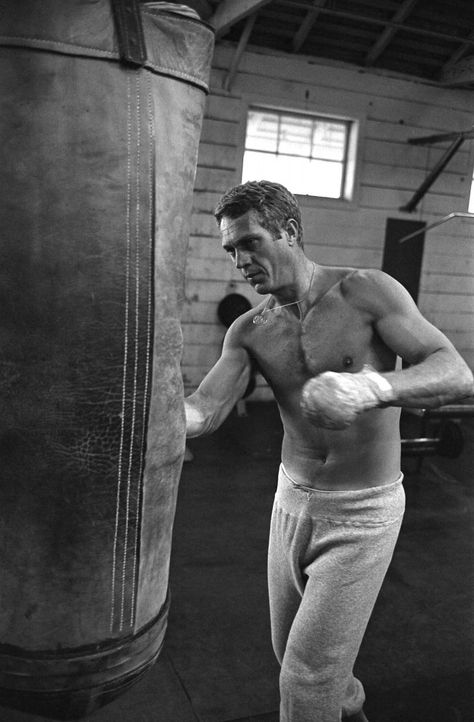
x: 239, y: 51
x: 358, y: 17
x: 385, y: 38
x: 305, y: 27
x: 457, y: 55
x: 229, y: 12
x: 459, y: 74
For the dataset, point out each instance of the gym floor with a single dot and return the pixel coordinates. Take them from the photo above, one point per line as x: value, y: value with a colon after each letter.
x: 217, y: 664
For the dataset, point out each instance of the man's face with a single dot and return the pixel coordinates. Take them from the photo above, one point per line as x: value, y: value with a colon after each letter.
x: 261, y: 258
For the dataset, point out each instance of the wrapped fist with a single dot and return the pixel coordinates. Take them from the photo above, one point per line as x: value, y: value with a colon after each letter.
x: 333, y: 400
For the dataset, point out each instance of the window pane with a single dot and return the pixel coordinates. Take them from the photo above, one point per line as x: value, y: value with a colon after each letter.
x: 262, y: 131
x: 295, y: 135
x: 260, y: 166
x: 329, y: 140
x: 326, y: 177
x: 300, y: 175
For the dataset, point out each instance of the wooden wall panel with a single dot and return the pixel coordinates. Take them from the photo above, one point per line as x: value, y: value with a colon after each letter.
x: 393, y: 109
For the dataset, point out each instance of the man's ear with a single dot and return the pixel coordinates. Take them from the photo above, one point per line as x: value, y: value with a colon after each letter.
x: 292, y: 231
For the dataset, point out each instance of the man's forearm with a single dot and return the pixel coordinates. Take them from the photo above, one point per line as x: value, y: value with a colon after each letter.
x: 440, y: 379
x: 334, y: 400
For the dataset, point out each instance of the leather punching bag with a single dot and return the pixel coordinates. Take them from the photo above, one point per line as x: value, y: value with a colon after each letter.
x: 101, y: 109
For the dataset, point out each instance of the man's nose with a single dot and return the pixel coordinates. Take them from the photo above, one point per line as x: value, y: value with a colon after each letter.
x: 242, y: 258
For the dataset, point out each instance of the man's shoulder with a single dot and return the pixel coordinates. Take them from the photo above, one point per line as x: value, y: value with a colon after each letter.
x: 373, y: 291
x: 346, y: 280
x: 240, y: 330
x: 362, y: 281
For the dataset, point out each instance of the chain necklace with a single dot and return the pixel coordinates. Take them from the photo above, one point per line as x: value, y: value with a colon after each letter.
x: 260, y: 319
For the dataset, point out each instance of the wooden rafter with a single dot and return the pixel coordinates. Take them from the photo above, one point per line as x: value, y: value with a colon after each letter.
x: 229, y: 12
x: 305, y: 27
x: 457, y: 55
x: 383, y: 41
x: 239, y: 51
x: 372, y: 20
x: 459, y: 75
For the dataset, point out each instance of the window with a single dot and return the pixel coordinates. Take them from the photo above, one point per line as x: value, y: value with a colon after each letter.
x: 309, y: 154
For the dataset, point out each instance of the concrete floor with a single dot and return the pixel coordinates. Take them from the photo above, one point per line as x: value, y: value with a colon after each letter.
x: 416, y: 660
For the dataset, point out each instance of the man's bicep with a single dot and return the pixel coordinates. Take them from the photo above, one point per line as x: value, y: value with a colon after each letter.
x: 410, y: 335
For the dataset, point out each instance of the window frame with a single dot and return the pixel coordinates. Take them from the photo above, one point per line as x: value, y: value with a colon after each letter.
x: 352, y: 170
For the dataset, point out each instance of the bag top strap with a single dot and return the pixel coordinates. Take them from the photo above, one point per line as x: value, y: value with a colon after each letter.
x: 129, y: 28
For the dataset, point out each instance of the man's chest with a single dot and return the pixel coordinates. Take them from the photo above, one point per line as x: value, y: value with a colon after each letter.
x: 331, y: 337
x: 336, y: 337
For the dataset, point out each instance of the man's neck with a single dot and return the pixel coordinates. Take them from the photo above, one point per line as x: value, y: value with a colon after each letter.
x: 296, y: 296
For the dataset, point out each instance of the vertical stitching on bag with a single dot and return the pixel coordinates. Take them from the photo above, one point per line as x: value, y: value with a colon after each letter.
x: 148, y: 337
x: 125, y: 349
x: 136, y: 344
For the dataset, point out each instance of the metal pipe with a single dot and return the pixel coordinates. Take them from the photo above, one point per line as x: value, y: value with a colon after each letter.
x: 455, y: 214
x: 419, y: 447
x: 440, y: 138
x: 451, y: 410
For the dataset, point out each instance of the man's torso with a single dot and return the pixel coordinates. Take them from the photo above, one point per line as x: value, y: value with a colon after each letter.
x: 335, y: 335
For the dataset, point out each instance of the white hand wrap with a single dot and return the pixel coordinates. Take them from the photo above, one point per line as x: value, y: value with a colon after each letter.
x: 333, y: 400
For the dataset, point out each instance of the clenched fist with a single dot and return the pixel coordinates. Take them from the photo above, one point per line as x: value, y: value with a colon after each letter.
x: 334, y: 400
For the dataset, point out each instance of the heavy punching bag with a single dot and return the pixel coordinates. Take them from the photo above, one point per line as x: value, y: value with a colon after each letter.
x: 101, y: 109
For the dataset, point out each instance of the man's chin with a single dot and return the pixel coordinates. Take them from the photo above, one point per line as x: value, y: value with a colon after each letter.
x: 259, y: 286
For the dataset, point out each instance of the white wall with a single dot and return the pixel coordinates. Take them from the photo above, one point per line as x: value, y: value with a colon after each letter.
x: 391, y: 110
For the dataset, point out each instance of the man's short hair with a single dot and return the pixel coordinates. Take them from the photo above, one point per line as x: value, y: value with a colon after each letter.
x: 273, y: 203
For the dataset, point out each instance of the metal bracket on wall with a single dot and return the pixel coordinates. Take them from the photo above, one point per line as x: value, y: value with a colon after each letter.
x: 456, y: 214
x: 458, y: 139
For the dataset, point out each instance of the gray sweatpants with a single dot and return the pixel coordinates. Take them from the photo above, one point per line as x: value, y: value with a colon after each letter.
x: 328, y: 555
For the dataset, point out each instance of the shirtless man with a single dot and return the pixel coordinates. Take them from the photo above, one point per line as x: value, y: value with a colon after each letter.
x: 326, y: 339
